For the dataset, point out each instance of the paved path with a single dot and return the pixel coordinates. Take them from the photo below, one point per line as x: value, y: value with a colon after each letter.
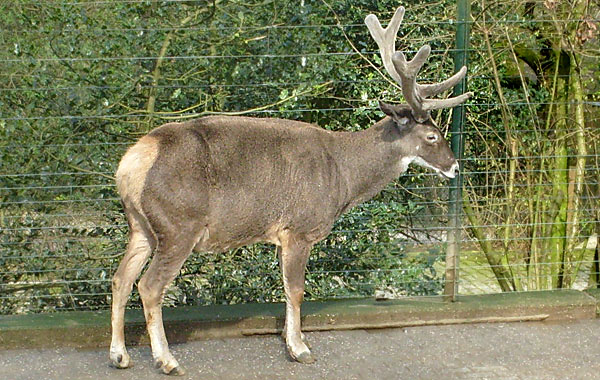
x: 515, y: 351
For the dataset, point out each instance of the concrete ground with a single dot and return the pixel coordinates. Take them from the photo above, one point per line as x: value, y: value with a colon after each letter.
x: 522, y: 350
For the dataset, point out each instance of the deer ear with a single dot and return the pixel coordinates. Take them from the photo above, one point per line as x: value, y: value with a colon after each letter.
x: 395, y: 113
x: 387, y: 109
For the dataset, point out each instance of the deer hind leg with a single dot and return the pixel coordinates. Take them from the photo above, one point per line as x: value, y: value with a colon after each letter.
x: 171, y: 253
x: 138, y: 251
x: 293, y: 259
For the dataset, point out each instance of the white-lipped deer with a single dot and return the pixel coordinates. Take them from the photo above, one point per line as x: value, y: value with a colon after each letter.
x: 220, y: 182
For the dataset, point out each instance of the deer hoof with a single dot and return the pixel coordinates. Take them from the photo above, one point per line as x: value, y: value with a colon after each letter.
x: 120, y: 361
x: 298, y: 350
x: 177, y: 371
x: 305, y: 358
x: 169, y: 368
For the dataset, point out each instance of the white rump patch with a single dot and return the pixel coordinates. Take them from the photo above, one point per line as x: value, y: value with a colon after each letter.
x: 133, y: 168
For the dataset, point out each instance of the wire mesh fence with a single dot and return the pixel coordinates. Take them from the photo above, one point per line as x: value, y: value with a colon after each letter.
x: 81, y: 81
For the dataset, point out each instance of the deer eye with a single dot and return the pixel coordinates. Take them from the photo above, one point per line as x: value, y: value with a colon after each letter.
x: 432, y: 137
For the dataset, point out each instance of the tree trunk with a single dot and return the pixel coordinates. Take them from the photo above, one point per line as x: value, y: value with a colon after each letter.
x: 503, y: 275
x: 559, y: 197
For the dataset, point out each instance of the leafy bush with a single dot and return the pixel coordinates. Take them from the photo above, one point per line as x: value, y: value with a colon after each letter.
x: 82, y: 81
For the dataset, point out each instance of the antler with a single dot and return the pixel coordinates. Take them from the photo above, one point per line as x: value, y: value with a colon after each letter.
x: 405, y: 72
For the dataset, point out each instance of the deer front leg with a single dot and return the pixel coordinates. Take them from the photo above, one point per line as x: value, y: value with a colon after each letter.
x: 284, y: 332
x: 294, y: 255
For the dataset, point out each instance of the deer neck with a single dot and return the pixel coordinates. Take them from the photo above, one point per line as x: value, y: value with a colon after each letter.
x: 370, y: 159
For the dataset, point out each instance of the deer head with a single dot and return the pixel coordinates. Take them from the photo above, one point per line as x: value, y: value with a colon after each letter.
x: 424, y: 144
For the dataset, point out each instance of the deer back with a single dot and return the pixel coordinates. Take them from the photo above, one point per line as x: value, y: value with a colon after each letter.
x: 243, y: 177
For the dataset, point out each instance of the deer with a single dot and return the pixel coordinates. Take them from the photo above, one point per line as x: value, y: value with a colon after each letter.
x: 220, y: 182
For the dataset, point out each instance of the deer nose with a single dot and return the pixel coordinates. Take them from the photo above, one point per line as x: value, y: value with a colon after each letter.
x: 454, y: 170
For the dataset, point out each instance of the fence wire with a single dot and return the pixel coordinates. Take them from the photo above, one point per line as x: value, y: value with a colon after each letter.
x: 81, y: 81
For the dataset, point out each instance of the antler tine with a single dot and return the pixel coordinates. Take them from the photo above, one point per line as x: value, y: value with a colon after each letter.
x: 408, y: 71
x: 416, y: 94
x: 405, y: 72
x: 386, y: 39
x: 434, y: 89
x: 436, y: 104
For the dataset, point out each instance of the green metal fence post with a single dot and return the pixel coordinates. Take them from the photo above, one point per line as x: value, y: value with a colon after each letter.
x: 458, y: 120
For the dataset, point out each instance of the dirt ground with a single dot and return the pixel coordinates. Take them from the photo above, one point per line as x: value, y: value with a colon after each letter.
x: 523, y: 351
